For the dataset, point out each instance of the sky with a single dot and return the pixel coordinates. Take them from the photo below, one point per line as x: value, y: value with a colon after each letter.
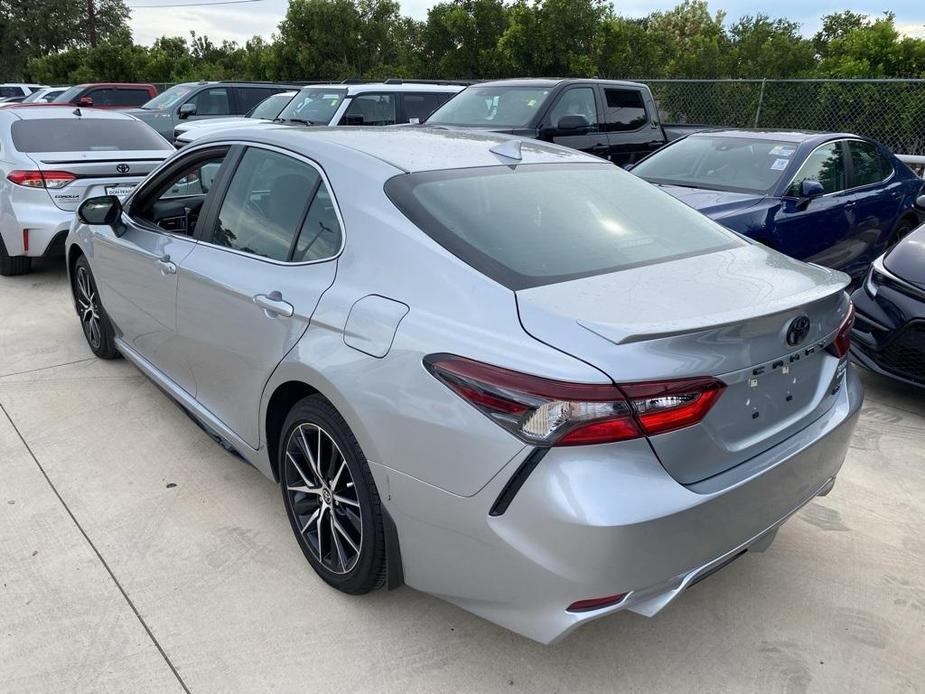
x: 240, y: 22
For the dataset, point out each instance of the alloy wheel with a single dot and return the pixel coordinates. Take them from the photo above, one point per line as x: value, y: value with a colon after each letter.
x: 88, y: 307
x: 323, y: 498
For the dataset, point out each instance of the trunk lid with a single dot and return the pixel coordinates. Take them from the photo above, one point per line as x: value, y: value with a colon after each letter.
x: 724, y: 314
x: 98, y: 173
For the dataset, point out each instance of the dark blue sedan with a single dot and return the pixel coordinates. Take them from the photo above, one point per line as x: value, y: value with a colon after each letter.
x: 834, y: 199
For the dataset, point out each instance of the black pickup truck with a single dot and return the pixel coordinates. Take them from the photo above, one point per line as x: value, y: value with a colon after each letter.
x: 614, y: 120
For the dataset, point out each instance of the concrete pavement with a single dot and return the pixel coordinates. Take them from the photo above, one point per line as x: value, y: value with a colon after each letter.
x: 136, y: 555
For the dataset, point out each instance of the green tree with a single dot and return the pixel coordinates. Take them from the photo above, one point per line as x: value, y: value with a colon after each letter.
x: 460, y: 39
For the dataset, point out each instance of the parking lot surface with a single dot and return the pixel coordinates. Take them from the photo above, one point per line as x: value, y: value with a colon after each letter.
x: 137, y: 555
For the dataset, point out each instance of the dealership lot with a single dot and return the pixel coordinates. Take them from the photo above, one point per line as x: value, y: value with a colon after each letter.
x: 137, y: 553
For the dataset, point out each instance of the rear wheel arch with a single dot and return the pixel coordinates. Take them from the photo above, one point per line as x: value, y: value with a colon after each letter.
x: 280, y: 403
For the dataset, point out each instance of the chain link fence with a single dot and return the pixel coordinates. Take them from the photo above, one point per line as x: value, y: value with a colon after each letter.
x: 891, y: 111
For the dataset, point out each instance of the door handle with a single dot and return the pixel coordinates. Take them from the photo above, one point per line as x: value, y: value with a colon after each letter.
x: 167, y: 267
x: 273, y: 305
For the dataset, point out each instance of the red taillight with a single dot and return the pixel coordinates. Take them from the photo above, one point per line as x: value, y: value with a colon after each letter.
x: 668, y: 405
x: 41, y: 179
x: 842, y: 341
x: 595, y: 603
x: 559, y: 413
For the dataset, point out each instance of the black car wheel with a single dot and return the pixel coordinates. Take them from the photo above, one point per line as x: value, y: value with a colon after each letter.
x: 93, y: 319
x: 13, y: 265
x: 330, y: 498
x: 902, y: 230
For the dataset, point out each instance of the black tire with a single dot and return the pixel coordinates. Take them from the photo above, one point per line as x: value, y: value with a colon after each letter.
x: 13, y: 265
x: 344, y: 544
x: 901, y: 231
x: 97, y: 327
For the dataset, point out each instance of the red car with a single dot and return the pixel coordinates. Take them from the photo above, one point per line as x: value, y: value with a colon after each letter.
x: 109, y: 95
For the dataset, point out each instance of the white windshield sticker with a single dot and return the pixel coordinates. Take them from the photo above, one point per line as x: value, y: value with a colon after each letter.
x: 779, y: 164
x: 781, y: 151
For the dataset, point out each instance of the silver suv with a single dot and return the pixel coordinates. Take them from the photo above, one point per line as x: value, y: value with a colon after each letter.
x: 501, y: 371
x: 377, y: 103
x: 193, y: 101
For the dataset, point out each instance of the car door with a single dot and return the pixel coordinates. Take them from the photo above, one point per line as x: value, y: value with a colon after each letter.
x: 632, y: 132
x: 137, y: 270
x: 580, y: 101
x: 248, y: 290
x: 819, y: 229
x: 876, y: 196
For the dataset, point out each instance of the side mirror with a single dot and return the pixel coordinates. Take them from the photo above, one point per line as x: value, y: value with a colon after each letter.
x: 187, y: 110
x: 811, y: 189
x: 920, y: 202
x: 103, y: 210
x: 354, y: 119
x: 573, y: 123
x: 85, y: 101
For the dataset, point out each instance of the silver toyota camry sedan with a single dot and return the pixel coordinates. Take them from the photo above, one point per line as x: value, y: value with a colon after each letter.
x: 502, y: 372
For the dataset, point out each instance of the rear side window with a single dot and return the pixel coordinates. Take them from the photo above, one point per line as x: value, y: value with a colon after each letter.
x: 84, y: 135
x: 272, y: 202
x: 625, y: 109
x: 130, y: 97
x: 248, y: 97
x: 419, y: 106
x: 824, y: 164
x: 539, y: 224
x: 868, y: 166
x: 6, y: 92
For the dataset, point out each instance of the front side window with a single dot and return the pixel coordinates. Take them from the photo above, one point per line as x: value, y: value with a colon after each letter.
x: 868, y: 166
x: 174, y: 202
x: 272, y: 202
x: 129, y: 97
x: 824, y: 164
x: 509, y: 107
x: 7, y: 92
x: 575, y: 102
x: 625, y: 109
x: 539, y: 224
x: 69, y: 95
x: 370, y: 109
x: 102, y: 97
x: 211, y: 102
x: 313, y: 106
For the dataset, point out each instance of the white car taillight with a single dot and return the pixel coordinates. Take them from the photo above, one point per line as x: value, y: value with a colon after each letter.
x: 547, y: 412
x: 41, y: 179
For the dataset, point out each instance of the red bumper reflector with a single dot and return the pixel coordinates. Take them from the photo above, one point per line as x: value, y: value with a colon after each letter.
x: 596, y: 603
x: 25, y: 240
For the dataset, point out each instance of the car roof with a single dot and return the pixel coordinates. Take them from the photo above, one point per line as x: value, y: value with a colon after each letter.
x: 409, y: 149
x: 554, y: 81
x: 25, y: 112
x: 794, y: 136
x: 402, y: 87
x: 115, y: 84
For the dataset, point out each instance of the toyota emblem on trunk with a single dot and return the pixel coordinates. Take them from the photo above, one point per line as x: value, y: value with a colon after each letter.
x: 122, y: 168
x: 797, y: 331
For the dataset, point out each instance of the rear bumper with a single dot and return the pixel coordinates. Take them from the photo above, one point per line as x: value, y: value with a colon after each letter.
x: 595, y: 521
x: 45, y: 228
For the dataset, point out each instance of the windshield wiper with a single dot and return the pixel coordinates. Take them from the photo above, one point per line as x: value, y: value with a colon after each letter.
x: 293, y: 120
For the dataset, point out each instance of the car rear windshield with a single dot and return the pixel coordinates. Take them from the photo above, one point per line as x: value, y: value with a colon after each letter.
x: 84, y: 135
x: 493, y: 107
x: 539, y: 224
x: 736, y: 164
x: 313, y: 106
